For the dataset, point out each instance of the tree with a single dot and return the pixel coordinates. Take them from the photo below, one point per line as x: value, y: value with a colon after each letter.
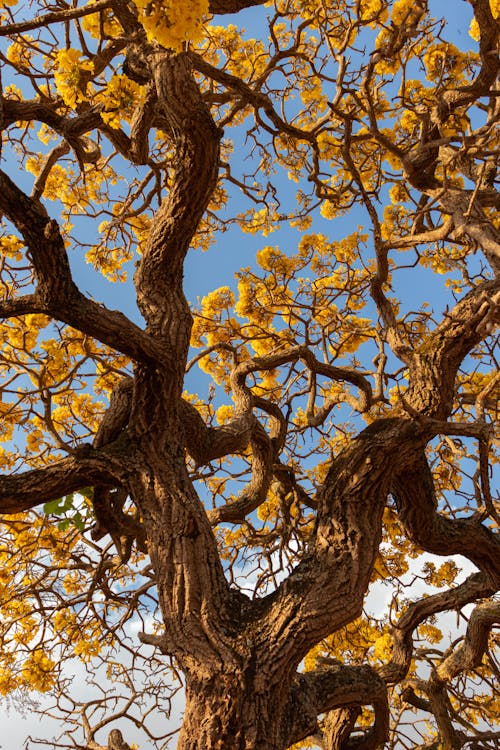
x: 342, y: 421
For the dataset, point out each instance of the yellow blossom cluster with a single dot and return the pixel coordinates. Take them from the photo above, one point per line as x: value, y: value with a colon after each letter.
x: 403, y: 11
x: 38, y: 671
x: 63, y: 183
x: 172, y: 24
x: 20, y: 53
x: 11, y: 247
x: 245, y: 57
x: 263, y: 221
x: 445, y: 575
x: 8, y: 681
x: 103, y: 22
x: 356, y: 643
x: 69, y: 76
x: 120, y: 98
x: 373, y: 10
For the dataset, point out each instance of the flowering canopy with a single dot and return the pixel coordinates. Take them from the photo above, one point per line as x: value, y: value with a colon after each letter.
x: 261, y: 480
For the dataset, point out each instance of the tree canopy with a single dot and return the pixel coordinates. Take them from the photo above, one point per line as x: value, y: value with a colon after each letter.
x: 278, y: 494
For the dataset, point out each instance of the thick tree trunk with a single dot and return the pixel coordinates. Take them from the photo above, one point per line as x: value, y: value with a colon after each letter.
x: 231, y: 713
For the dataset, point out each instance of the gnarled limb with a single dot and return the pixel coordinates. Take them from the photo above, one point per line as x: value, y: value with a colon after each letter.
x: 326, y: 588
x: 196, y: 139
x: 256, y: 490
x: 48, y: 19
x: 470, y: 652
x: 56, y: 294
x: 204, y: 444
x: 25, y: 305
x: 293, y: 354
x: 414, y: 493
x: 232, y: 6
x: 116, y: 416
x: 71, y: 129
x: 30, y: 489
x: 337, y: 726
x: 436, y: 361
x: 469, y: 220
x: 476, y: 586
x: 395, y: 336
x: 315, y: 693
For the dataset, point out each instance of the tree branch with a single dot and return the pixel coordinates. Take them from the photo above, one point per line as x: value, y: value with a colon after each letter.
x: 314, y: 693
x: 436, y: 361
x: 413, y: 491
x: 255, y: 492
x: 470, y: 652
x: 195, y: 170
x: 232, y: 6
x: 55, y: 17
x: 252, y: 96
x: 476, y: 586
x: 57, y: 295
x: 21, y: 492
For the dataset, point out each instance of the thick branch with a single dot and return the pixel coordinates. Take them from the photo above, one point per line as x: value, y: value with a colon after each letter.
x: 469, y: 219
x: 21, y: 492
x: 271, y: 361
x: 196, y: 141
x: 337, y: 726
x: 488, y: 49
x: 477, y: 586
x: 57, y: 295
x: 413, y: 491
x: 55, y: 17
x: 204, y: 444
x: 470, y: 652
x: 436, y: 361
x: 25, y: 305
x: 256, y: 490
x: 326, y: 589
x: 395, y: 337
x: 314, y: 693
x: 232, y: 6
x: 264, y: 451
x: 72, y: 129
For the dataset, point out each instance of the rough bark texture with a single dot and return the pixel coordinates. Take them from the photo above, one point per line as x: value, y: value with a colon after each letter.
x: 241, y: 658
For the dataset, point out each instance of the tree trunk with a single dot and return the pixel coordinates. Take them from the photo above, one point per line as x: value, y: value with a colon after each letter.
x: 230, y: 713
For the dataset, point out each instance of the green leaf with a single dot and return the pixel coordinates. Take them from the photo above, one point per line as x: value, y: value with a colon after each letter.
x: 53, y: 506
x: 68, y: 502
x: 78, y: 521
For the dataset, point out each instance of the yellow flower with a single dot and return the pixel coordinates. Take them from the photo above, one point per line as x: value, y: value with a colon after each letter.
x: 105, y: 21
x: 8, y: 683
x: 11, y: 246
x: 38, y: 672
x: 171, y: 23
x: 372, y: 10
x: 20, y: 54
x: 68, y: 76
x: 382, y: 648
x: 120, y: 98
